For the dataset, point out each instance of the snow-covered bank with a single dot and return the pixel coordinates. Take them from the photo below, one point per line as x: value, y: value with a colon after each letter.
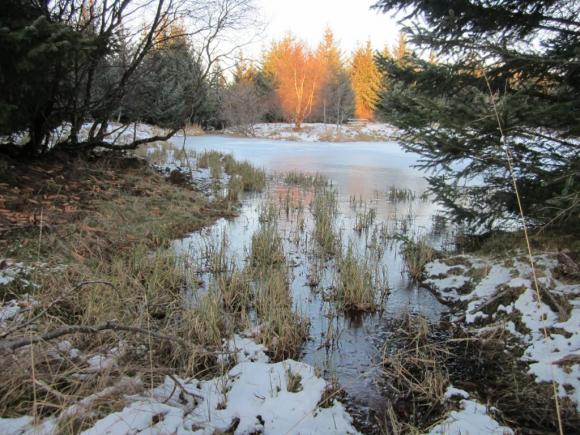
x: 471, y: 418
x: 255, y: 396
x: 318, y: 132
x: 500, y: 294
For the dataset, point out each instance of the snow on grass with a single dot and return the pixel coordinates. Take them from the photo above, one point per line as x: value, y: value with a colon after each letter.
x: 254, y: 396
x: 553, y: 357
x: 8, y: 311
x: 11, y: 271
x: 318, y: 132
x: 471, y: 418
x: 25, y: 426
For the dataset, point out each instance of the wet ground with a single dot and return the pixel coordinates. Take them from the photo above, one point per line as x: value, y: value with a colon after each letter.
x: 365, y: 177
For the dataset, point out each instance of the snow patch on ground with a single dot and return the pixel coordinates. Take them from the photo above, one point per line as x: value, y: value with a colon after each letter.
x: 115, y: 133
x: 254, y: 396
x: 549, y: 358
x: 318, y: 132
x: 471, y: 418
x: 11, y: 271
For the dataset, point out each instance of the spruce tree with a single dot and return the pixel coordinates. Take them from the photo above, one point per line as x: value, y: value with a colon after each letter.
x: 366, y: 82
x: 502, y: 100
x: 37, y: 56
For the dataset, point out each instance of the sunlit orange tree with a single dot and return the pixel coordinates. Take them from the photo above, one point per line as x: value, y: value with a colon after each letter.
x: 296, y: 73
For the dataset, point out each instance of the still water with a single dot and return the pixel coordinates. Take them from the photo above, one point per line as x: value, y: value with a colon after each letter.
x: 363, y: 174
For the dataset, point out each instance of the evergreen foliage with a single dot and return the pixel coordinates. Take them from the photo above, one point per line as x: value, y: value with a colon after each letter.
x: 366, y: 82
x: 37, y: 58
x: 519, y: 58
x: 336, y: 102
x: 69, y: 68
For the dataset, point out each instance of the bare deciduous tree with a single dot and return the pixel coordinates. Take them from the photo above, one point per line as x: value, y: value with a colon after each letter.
x: 242, y: 107
x: 114, y: 37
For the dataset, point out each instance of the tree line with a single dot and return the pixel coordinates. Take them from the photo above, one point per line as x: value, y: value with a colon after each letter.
x: 75, y: 73
x: 69, y: 68
x: 295, y: 83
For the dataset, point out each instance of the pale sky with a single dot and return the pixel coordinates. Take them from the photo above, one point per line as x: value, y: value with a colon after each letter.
x: 352, y: 22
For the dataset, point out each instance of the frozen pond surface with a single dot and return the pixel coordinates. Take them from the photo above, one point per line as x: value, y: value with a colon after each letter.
x: 362, y: 171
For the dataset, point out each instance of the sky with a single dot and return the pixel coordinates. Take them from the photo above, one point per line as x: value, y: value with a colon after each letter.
x: 352, y: 22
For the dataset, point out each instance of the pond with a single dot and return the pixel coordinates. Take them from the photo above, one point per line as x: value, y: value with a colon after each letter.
x: 380, y: 201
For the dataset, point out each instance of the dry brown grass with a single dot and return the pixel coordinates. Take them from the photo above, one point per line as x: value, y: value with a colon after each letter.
x: 414, y: 365
x: 118, y: 243
x: 416, y: 255
x: 324, y: 209
x: 360, y: 283
x: 422, y: 359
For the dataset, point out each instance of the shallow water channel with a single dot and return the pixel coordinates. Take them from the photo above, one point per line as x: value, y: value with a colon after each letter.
x: 346, y: 347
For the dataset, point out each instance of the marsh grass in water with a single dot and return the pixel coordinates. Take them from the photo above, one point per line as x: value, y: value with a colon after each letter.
x: 251, y: 178
x: 417, y: 253
x: 395, y: 193
x: 268, y: 212
x: 267, y: 248
x: 360, y: 282
x: 207, y: 159
x: 306, y: 180
x: 324, y: 209
x: 365, y: 219
x: 281, y: 330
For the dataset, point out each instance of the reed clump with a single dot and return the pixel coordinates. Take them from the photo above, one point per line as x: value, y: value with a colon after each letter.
x: 365, y: 219
x: 324, y: 209
x: 398, y: 194
x: 267, y: 249
x: 252, y: 178
x: 305, y: 180
x: 281, y: 330
x: 360, y: 285
x: 416, y: 255
x: 235, y: 291
x: 207, y: 159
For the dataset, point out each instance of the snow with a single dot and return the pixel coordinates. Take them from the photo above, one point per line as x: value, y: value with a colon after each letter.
x: 251, y: 397
x: 455, y: 392
x: 116, y: 133
x: 245, y: 349
x: 25, y: 426
x: 543, y: 354
x: 9, y: 310
x: 471, y: 418
x: 318, y: 132
x: 10, y: 271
